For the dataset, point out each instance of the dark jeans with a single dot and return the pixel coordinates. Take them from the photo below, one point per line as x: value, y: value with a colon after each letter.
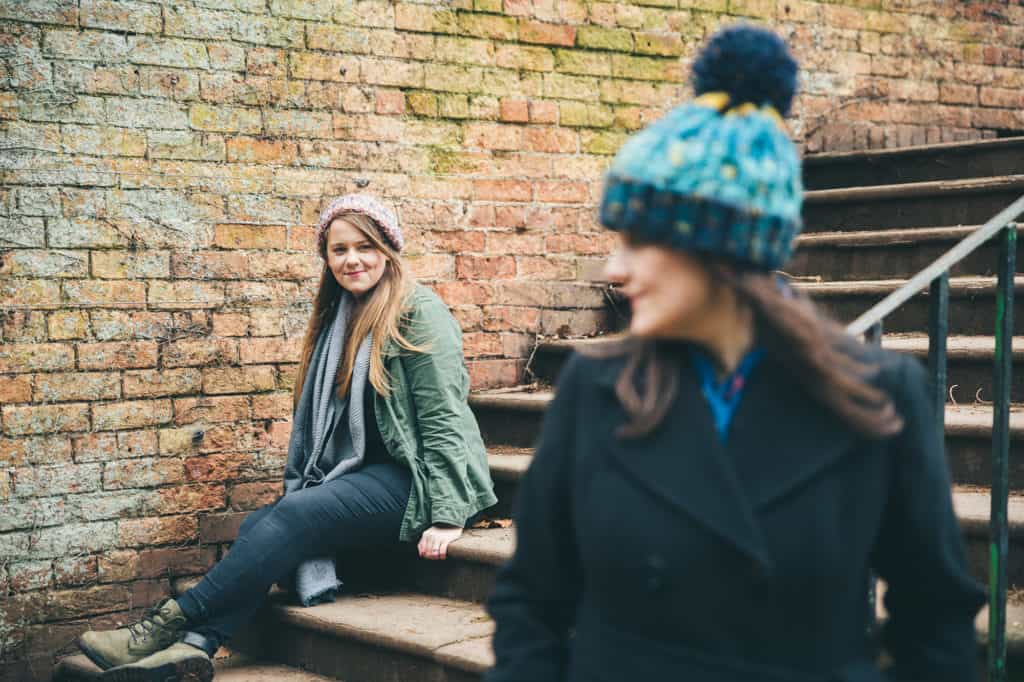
x: 362, y: 509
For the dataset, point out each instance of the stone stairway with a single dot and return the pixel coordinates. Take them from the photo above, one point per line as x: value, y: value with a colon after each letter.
x: 874, y: 218
x: 234, y: 668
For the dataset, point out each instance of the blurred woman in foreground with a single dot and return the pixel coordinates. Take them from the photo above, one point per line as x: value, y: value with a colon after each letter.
x: 711, y: 496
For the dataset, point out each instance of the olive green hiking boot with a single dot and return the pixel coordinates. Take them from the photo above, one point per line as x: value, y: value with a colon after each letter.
x: 160, y: 627
x: 177, y: 663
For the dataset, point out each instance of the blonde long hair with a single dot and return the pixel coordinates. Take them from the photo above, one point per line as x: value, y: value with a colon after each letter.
x: 380, y: 312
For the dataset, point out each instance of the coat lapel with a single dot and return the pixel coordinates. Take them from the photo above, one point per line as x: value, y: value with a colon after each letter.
x: 779, y: 440
x: 781, y: 437
x: 684, y: 464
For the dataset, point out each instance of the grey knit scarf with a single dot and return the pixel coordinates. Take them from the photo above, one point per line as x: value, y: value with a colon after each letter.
x: 323, y: 445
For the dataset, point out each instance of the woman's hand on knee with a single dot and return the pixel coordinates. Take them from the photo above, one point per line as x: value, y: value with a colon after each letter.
x: 435, y: 540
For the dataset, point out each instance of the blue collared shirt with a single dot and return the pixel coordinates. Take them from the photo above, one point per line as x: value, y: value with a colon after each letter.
x: 723, y: 396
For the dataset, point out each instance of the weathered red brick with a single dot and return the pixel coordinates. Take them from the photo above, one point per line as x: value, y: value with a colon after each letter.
x: 224, y: 437
x: 22, y: 451
x: 493, y: 136
x: 173, y: 562
x: 250, y: 236
x: 557, y: 140
x: 131, y: 414
x: 220, y: 467
x: 515, y: 110
x: 477, y: 344
x: 230, y: 324
x: 390, y: 102
x: 34, y: 357
x: 272, y: 406
x: 464, y: 293
x: 216, y: 528
x: 502, y: 190
x: 187, y: 499
x: 548, y: 34
x: 144, y: 472
x: 239, y: 379
x: 247, y: 496
x: 485, y: 267
x: 161, y: 530
x: 116, y: 355
x: 39, y: 419
x: 15, y: 389
x: 211, y: 409
x: 71, y: 571
x: 494, y: 373
x: 199, y: 352
x: 543, y: 112
x: 63, y: 387
x: 99, y: 447
x: 514, y: 244
x: 510, y: 318
x: 105, y: 293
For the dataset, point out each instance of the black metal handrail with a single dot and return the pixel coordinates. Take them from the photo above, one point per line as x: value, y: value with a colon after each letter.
x: 936, y: 278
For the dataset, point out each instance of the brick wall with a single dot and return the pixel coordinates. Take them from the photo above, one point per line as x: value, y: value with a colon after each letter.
x: 162, y: 164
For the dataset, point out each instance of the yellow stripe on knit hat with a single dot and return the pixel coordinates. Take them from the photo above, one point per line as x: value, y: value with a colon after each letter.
x: 715, y: 100
x: 719, y: 101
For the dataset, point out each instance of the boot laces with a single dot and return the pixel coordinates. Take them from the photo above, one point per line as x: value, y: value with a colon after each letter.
x: 151, y: 621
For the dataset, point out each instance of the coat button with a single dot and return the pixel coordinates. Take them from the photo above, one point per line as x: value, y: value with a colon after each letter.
x: 655, y: 565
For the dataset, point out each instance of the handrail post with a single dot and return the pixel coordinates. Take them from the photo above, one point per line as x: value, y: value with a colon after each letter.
x: 938, y: 331
x: 873, y: 337
x: 999, y: 528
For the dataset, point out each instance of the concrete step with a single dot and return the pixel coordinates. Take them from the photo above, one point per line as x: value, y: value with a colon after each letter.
x: 440, y: 632
x: 948, y: 161
x: 969, y: 362
x: 916, y: 204
x: 236, y: 668
x: 402, y: 636
x: 883, y: 254
x: 972, y: 303
x: 513, y: 419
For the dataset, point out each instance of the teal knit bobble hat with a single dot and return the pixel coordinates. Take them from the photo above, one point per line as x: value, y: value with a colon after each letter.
x: 717, y: 175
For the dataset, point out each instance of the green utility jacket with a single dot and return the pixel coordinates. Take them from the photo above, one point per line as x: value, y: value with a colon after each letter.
x: 426, y: 422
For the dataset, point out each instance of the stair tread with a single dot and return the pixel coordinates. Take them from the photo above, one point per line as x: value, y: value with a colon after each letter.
x: 874, y: 155
x: 505, y: 466
x: 957, y: 286
x: 449, y: 631
x: 459, y: 633
x: 960, y: 419
x: 234, y: 668
x: 886, y: 237
x: 957, y: 347
x: 914, y: 189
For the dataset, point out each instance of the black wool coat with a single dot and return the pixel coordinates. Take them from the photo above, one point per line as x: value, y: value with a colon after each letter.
x: 675, y: 556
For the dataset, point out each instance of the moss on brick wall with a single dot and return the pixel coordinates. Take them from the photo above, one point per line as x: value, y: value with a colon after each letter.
x: 162, y: 164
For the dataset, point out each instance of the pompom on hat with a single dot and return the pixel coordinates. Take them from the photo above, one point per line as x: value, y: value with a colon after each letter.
x: 366, y: 205
x: 718, y: 175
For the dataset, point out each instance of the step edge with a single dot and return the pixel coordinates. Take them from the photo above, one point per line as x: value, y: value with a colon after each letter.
x: 826, y: 158
x: 959, y: 347
x: 958, y: 286
x: 914, y: 189
x: 303, y: 618
x: 902, y: 236
x: 963, y: 427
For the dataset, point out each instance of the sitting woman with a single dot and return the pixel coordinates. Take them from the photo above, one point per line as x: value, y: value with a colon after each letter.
x: 383, y: 449
x: 710, y: 497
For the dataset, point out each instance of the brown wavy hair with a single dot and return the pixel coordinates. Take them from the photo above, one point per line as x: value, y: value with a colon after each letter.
x: 815, y: 349
x: 380, y: 311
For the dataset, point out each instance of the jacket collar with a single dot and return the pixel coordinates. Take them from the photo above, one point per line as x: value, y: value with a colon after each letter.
x: 779, y: 440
